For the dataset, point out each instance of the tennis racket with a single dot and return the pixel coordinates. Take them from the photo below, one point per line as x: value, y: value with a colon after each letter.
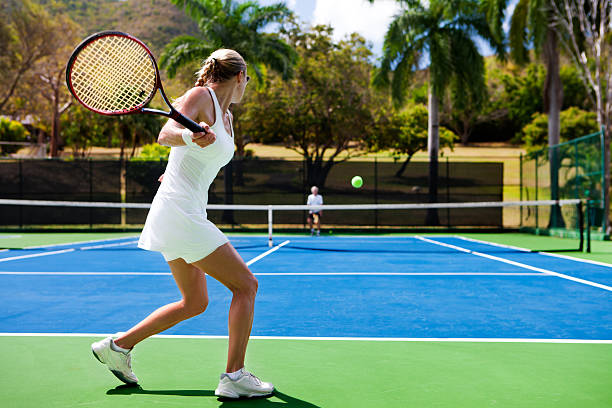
x: 113, y: 73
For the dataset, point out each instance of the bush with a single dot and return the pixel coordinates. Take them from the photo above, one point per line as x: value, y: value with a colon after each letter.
x: 153, y: 152
x: 575, y: 122
x: 11, y: 131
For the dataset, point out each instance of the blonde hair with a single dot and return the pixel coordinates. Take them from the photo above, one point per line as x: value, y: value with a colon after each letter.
x: 220, y: 66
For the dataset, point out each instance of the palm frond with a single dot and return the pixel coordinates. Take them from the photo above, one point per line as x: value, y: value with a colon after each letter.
x: 182, y: 51
x: 468, y: 79
x: 494, y: 11
x: 263, y: 16
x: 197, y: 9
x: 538, y: 20
x: 519, y: 40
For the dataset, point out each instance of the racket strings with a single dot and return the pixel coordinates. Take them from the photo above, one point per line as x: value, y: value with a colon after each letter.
x: 113, y: 74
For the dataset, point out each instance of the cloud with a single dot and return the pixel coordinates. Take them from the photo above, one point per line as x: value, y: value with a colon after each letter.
x: 348, y: 16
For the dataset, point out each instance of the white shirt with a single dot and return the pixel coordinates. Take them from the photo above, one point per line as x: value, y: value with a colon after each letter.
x: 315, y: 200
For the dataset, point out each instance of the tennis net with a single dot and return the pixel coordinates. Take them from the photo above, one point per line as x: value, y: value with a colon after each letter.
x: 272, y: 219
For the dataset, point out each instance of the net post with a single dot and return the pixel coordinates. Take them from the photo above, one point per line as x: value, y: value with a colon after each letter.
x: 270, y: 242
x: 521, y: 188
x: 588, y: 225
x: 90, y: 193
x: 20, y: 193
x: 581, y: 226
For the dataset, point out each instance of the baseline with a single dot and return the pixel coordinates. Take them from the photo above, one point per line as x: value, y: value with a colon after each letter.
x: 382, y: 339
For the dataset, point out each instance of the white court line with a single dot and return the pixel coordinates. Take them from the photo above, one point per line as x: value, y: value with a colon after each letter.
x: 571, y: 258
x: 397, y: 274
x: 108, y: 245
x: 290, y: 273
x: 79, y: 242
x: 522, y: 265
x: 268, y: 252
x: 12, y: 258
x: 394, y: 339
x: 89, y: 273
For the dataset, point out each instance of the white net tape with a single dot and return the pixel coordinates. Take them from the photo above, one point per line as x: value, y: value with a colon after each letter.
x: 113, y: 74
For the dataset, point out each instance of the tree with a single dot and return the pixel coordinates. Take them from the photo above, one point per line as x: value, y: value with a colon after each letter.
x: 240, y: 26
x: 48, y: 76
x: 584, y: 28
x: 445, y: 31
x: 405, y: 133
x: 24, y: 40
x: 531, y: 27
x: 327, y: 111
x: 82, y: 129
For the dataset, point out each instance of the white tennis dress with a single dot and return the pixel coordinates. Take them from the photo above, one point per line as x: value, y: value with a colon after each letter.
x: 177, y: 225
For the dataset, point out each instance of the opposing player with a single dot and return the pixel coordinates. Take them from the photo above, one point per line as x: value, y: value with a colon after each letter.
x: 177, y: 226
x: 314, y: 216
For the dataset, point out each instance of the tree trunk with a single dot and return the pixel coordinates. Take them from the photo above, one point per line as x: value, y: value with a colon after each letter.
x: 553, y: 100
x: 401, y: 170
x: 606, y: 187
x: 55, y: 141
x: 433, y: 147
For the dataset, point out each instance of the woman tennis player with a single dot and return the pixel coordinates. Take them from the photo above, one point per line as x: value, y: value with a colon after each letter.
x: 177, y: 226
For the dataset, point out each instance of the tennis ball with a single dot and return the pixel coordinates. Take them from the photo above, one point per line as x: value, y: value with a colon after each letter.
x: 357, y: 181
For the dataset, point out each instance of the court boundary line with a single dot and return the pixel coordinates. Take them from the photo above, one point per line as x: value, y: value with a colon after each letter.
x: 519, y: 264
x: 589, y: 261
x: 14, y: 258
x: 509, y: 274
x: 268, y: 252
x: 79, y: 242
x: 379, y: 339
x: 86, y: 248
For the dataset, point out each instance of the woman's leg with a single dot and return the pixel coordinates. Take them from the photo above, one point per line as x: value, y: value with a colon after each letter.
x: 192, y: 284
x: 225, y: 265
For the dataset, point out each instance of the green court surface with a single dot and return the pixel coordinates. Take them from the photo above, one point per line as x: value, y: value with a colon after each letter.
x: 61, y: 372
x: 18, y: 239
x: 601, y: 251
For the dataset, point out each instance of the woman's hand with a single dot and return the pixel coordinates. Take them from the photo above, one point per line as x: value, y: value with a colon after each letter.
x: 205, y: 138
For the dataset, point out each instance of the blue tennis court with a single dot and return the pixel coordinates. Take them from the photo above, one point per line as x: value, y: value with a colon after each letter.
x: 399, y: 287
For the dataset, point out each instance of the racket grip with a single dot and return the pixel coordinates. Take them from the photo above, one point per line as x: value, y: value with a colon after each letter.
x: 188, y: 123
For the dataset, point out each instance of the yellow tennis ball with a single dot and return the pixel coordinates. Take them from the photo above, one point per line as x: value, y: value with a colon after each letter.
x: 357, y: 181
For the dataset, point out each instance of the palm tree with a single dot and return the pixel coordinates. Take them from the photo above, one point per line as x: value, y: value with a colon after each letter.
x: 444, y: 30
x: 531, y: 27
x: 236, y: 25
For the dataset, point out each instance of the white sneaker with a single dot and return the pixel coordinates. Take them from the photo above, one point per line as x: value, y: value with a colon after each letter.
x: 247, y: 385
x: 117, y: 362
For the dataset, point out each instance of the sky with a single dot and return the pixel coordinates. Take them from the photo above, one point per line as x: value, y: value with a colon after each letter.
x: 369, y: 20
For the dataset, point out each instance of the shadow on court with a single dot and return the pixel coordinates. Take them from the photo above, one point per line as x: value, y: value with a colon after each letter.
x: 288, y: 401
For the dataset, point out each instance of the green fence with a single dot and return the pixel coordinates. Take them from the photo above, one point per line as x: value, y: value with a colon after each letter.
x: 569, y: 170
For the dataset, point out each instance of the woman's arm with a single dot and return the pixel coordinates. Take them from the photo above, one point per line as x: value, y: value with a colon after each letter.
x: 196, y: 104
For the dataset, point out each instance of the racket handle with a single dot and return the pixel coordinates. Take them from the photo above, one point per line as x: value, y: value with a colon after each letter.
x: 188, y: 123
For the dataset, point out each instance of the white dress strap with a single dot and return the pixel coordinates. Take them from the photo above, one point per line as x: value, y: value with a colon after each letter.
x: 218, y: 113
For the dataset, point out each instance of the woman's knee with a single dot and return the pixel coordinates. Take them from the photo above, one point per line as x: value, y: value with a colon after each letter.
x: 194, y: 307
x: 248, y: 287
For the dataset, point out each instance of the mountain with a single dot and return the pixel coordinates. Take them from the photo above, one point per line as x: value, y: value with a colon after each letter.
x: 156, y: 22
